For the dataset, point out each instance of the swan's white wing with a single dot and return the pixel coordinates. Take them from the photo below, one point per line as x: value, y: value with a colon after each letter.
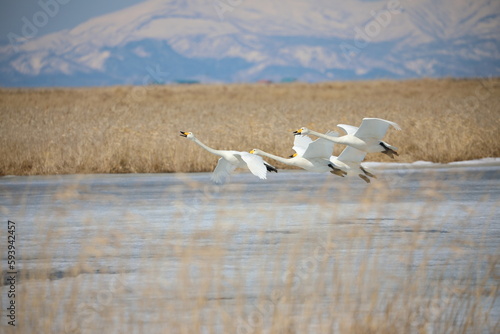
x: 222, y: 171
x: 320, y: 148
x: 374, y: 128
x: 300, y: 144
x: 255, y: 163
x: 351, y: 154
x: 349, y: 129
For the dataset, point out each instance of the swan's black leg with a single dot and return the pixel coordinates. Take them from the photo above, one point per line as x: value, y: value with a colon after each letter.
x: 367, y: 172
x: 270, y: 168
x: 388, y: 151
x: 337, y: 171
x: 365, y: 178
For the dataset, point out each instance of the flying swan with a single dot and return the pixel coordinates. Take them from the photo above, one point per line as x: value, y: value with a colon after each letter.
x: 312, y: 156
x: 230, y: 160
x: 347, y: 163
x: 366, y: 138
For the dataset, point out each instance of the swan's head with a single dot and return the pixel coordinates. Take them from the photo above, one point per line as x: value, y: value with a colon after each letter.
x: 255, y: 151
x: 301, y: 131
x: 188, y: 135
x: 293, y: 155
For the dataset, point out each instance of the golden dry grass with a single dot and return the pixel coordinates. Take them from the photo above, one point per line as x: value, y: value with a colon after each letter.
x: 134, y: 273
x: 135, y: 129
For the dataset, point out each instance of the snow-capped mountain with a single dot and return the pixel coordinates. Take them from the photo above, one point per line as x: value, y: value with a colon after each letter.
x: 241, y: 40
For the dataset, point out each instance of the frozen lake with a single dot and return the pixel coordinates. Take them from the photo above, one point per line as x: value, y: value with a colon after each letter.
x: 418, y: 247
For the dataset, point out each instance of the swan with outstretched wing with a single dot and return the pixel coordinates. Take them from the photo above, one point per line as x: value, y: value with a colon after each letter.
x: 230, y: 160
x: 366, y: 138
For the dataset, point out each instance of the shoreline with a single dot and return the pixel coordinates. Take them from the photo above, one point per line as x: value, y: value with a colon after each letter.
x: 381, y: 166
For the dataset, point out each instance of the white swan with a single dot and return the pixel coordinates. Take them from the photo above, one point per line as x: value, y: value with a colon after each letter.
x: 366, y: 138
x: 230, y: 160
x: 312, y: 156
x: 347, y: 163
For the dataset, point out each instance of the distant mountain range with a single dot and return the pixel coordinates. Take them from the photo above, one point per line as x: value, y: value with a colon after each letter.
x: 189, y: 41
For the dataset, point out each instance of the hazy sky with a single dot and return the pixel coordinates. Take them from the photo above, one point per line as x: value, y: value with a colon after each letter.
x: 70, y: 14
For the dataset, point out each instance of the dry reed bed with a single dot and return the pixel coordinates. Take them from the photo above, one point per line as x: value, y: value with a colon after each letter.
x: 135, y: 129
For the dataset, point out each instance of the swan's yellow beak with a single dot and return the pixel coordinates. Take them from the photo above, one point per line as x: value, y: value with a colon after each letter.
x: 293, y: 155
x: 184, y: 134
x: 252, y: 151
x: 298, y: 132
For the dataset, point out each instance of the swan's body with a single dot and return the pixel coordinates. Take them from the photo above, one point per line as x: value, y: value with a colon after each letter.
x: 347, y: 163
x: 366, y: 138
x: 317, y: 165
x: 314, y: 155
x: 230, y: 160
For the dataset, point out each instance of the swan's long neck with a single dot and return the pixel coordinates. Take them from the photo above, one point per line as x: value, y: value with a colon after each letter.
x: 275, y: 157
x: 338, y: 140
x: 209, y: 149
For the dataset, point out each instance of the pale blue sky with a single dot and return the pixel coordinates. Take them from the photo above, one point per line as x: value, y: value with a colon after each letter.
x: 69, y: 15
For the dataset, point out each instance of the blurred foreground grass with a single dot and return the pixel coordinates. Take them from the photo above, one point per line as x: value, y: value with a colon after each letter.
x: 135, y: 129
x: 300, y: 253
